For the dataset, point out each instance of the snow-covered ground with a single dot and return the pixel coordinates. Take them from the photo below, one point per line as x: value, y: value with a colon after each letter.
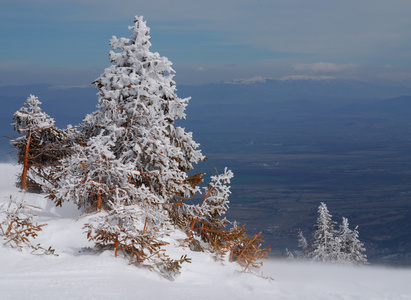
x: 78, y: 274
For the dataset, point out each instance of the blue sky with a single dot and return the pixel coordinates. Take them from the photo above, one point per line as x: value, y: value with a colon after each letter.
x: 66, y: 42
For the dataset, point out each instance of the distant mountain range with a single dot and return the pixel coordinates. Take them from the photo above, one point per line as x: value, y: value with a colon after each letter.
x: 280, y: 90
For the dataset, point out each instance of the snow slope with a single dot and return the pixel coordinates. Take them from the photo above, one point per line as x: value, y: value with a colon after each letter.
x: 78, y: 274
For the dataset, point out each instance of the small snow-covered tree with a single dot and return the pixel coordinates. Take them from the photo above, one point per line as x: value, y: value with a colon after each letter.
x: 40, y: 145
x: 207, y: 216
x: 349, y: 246
x: 121, y: 229
x: 357, y: 254
x: 302, y: 241
x: 126, y: 228
x: 324, y: 246
x: 329, y: 245
x: 303, y: 245
x: 344, y: 240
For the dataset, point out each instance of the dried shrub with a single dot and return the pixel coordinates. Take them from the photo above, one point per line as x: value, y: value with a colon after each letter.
x: 247, y: 251
x: 169, y: 268
x: 125, y: 229
x: 206, y: 222
x: 17, y: 224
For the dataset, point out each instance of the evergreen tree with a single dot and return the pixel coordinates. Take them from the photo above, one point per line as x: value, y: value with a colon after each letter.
x: 206, y: 219
x: 40, y: 146
x: 324, y: 246
x: 329, y: 245
x: 344, y: 241
x: 127, y: 228
x: 135, y: 121
x: 303, y: 244
x: 93, y: 179
x: 357, y: 253
x: 350, y: 248
x: 133, y: 129
x: 131, y: 157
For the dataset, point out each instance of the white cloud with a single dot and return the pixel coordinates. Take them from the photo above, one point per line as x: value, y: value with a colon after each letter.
x: 262, y: 79
x: 309, y: 37
x: 322, y: 67
x: 305, y: 77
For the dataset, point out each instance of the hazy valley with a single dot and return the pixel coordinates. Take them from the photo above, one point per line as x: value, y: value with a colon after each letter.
x: 291, y: 145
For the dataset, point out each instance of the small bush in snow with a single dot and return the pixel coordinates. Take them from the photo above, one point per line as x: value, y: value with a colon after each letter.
x: 17, y: 225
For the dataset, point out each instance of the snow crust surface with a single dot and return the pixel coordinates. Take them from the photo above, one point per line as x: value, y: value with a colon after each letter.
x: 80, y: 274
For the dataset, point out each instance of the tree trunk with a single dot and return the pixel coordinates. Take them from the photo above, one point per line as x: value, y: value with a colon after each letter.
x: 116, y: 244
x: 98, y: 202
x: 26, y: 164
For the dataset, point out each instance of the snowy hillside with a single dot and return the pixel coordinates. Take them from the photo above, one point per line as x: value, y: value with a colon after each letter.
x: 78, y: 274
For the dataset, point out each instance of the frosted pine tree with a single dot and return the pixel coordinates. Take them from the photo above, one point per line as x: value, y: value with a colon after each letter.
x: 40, y: 145
x: 135, y: 121
x: 132, y: 157
x: 357, y: 254
x: 350, y: 248
x: 324, y: 245
x: 303, y: 245
x: 127, y: 229
x: 132, y: 133
x: 207, y: 220
x: 344, y: 240
x: 94, y: 180
x: 329, y: 245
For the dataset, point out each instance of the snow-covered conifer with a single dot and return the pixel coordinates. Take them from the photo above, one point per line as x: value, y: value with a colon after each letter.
x: 357, y: 254
x: 130, y: 153
x: 329, y: 245
x: 137, y: 108
x: 93, y: 179
x: 132, y: 157
x: 207, y: 219
x: 324, y: 246
x: 40, y: 145
x: 344, y: 240
x: 289, y: 254
x: 350, y: 248
x: 126, y: 228
x: 133, y: 128
x: 303, y: 245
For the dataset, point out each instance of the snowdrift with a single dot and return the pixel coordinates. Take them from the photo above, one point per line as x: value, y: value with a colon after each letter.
x: 77, y: 273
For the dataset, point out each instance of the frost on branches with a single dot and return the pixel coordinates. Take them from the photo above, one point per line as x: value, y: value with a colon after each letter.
x: 17, y: 225
x: 350, y: 247
x: 324, y: 245
x: 331, y: 245
x: 129, y: 165
x: 40, y: 145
